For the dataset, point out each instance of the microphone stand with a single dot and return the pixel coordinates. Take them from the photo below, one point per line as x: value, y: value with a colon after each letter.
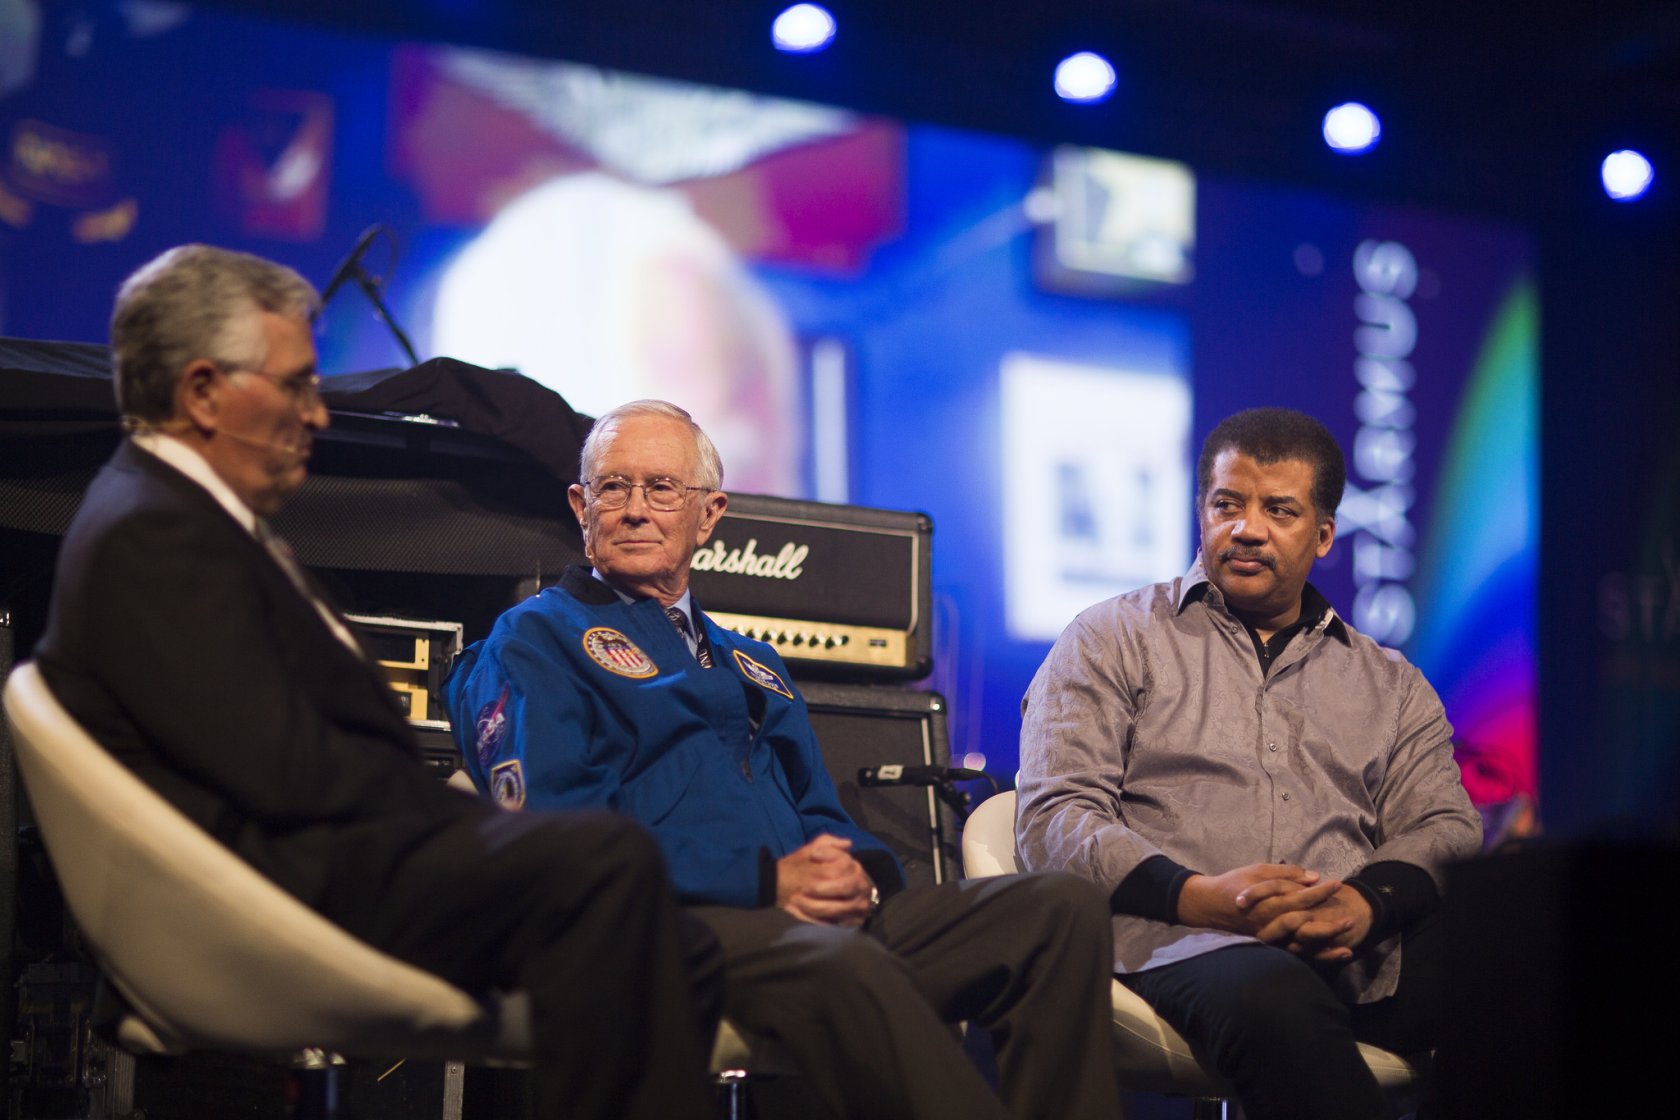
x: 351, y: 269
x: 370, y: 288
x: 957, y: 799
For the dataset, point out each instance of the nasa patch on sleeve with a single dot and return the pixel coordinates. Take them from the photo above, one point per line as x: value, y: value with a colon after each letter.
x: 489, y: 728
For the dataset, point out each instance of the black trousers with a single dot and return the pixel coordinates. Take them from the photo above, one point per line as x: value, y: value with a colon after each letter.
x: 576, y: 910
x: 866, y: 1012
x: 1274, y: 1027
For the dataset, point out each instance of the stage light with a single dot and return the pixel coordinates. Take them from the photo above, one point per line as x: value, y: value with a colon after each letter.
x: 803, y: 29
x: 1084, y: 77
x: 1627, y: 175
x: 1351, y: 128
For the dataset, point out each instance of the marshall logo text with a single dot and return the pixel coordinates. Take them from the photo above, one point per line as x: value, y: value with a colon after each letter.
x: 746, y: 561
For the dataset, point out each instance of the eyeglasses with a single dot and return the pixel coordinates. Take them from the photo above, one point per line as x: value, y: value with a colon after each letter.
x: 303, y: 389
x: 663, y: 494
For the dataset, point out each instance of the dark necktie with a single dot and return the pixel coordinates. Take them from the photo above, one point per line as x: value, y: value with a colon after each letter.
x: 680, y: 621
x: 282, y: 553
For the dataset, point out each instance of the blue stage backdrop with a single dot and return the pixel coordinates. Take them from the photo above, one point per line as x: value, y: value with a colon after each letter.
x: 1026, y: 342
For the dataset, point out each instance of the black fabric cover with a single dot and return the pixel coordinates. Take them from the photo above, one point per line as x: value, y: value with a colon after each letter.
x: 503, y: 403
x: 54, y: 386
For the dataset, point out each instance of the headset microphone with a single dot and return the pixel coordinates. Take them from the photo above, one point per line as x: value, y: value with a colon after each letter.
x: 298, y: 450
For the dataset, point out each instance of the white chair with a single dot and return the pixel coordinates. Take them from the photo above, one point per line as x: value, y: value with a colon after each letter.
x: 209, y: 954
x: 1148, y: 1053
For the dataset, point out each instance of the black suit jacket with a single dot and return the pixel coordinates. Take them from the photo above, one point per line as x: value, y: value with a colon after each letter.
x: 181, y: 645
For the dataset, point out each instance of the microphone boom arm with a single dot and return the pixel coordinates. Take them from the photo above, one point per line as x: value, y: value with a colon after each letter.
x: 370, y: 288
x: 350, y: 270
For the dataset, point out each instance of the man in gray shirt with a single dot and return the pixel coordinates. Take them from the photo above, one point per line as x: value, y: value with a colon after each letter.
x: 1269, y: 796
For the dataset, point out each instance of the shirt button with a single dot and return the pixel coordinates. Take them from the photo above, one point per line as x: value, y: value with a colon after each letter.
x: 1286, y: 797
x: 1271, y: 746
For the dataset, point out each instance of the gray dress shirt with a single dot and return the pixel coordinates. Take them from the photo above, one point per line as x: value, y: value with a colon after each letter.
x: 1152, y: 729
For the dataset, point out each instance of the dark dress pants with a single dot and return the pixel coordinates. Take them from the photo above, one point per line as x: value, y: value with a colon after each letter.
x: 576, y: 910
x: 1274, y: 1027
x: 867, y: 1013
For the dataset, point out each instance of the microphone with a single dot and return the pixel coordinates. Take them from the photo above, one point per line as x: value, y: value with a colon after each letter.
x: 896, y: 774
x: 296, y: 450
x: 350, y: 268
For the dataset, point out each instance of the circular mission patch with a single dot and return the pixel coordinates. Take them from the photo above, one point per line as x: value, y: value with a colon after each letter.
x: 615, y: 653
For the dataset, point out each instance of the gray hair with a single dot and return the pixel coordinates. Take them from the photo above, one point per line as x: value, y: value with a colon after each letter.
x: 711, y: 465
x: 195, y: 301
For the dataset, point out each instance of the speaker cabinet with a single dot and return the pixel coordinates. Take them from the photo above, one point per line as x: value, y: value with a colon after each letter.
x: 861, y: 726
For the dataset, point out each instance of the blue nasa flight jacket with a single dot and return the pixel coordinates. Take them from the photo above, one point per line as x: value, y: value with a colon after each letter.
x: 578, y: 699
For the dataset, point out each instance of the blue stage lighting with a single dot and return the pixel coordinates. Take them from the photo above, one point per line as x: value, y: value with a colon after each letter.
x: 1627, y: 175
x: 1351, y: 128
x: 803, y: 29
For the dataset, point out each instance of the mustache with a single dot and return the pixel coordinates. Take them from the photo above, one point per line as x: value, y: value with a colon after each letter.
x: 1234, y: 553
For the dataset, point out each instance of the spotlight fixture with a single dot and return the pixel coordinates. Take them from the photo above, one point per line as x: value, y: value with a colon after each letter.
x: 1626, y: 175
x: 1084, y: 77
x: 1351, y: 128
x: 803, y: 29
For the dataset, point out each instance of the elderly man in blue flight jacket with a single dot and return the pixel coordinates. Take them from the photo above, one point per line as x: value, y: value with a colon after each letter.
x: 613, y: 689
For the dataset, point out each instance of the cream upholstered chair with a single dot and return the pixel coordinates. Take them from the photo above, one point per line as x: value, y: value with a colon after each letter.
x: 1149, y: 1054
x: 209, y: 954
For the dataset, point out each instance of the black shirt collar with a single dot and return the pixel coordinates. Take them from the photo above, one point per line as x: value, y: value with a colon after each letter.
x: 580, y: 584
x: 1315, y: 611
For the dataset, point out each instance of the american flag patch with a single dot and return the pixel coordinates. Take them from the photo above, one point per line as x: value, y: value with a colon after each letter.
x: 615, y: 653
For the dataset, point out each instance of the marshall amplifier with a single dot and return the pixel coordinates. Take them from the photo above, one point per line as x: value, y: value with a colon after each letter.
x: 863, y: 727
x: 838, y: 590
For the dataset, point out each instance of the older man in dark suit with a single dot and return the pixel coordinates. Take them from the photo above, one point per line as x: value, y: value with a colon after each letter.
x: 187, y: 641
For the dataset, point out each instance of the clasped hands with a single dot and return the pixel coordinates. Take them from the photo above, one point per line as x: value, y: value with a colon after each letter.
x: 1282, y: 905
x: 824, y: 884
